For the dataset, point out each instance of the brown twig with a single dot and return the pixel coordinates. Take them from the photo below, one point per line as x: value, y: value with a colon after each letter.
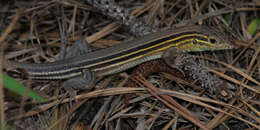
x: 168, y: 101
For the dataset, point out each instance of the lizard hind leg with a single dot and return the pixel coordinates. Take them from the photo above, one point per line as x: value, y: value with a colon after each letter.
x: 79, y: 82
x: 80, y: 47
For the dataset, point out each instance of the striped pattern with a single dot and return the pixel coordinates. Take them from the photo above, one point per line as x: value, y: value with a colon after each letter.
x: 127, y: 54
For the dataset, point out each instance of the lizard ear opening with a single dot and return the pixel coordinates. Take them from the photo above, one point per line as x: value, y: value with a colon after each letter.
x: 194, y: 41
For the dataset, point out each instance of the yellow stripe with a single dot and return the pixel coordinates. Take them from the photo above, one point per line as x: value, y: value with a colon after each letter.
x: 152, y: 52
x: 171, y: 45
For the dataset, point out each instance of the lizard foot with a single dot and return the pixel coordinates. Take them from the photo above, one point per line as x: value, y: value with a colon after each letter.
x: 79, y: 82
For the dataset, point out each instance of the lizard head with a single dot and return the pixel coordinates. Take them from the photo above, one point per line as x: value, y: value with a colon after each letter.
x: 207, y: 39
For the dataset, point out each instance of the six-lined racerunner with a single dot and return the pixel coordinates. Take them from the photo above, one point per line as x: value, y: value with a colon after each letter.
x: 128, y: 54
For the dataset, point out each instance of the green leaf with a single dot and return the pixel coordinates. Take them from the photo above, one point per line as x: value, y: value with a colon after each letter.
x: 253, y: 25
x: 226, y: 17
x: 18, y: 88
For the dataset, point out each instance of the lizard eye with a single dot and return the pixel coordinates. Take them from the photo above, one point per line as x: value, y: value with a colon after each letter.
x: 212, y: 40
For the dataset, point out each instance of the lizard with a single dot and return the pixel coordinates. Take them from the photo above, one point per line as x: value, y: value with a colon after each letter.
x: 126, y: 55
